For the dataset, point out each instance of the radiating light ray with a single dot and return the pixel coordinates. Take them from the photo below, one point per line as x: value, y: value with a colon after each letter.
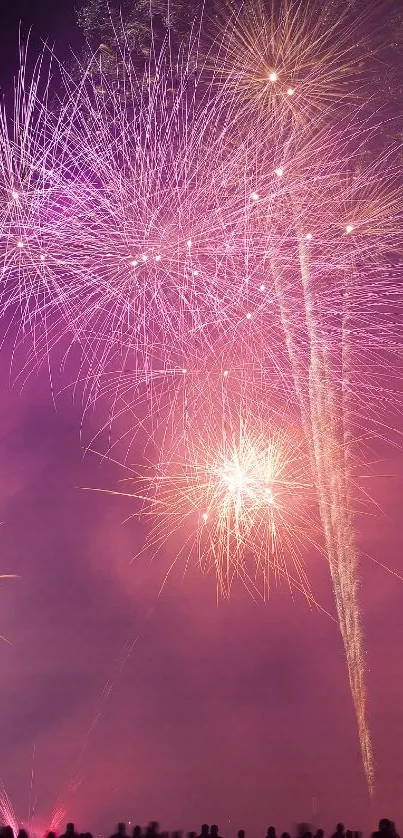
x: 7, y: 814
x: 239, y: 498
x: 289, y: 57
x: 39, y: 827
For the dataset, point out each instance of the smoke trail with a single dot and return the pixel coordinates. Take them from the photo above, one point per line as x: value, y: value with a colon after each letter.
x: 331, y: 468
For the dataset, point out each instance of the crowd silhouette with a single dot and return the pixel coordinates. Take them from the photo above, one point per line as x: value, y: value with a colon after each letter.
x: 386, y: 829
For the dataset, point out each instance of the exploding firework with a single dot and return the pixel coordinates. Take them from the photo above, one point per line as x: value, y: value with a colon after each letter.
x: 233, y: 497
x: 105, y: 219
x: 295, y: 58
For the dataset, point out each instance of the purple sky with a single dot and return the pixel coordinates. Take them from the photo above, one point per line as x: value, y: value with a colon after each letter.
x: 239, y: 714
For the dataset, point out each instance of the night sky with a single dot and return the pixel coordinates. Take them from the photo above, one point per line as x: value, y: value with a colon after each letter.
x: 238, y: 714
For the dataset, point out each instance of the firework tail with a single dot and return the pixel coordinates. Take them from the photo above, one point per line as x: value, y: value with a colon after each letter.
x: 329, y: 436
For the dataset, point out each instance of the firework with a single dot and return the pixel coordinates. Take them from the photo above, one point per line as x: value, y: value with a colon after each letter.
x: 8, y: 815
x: 106, y: 225
x: 297, y: 59
x: 231, y: 496
x: 38, y: 827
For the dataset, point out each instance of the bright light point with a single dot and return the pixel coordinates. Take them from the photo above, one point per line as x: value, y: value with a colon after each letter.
x: 184, y: 370
x: 158, y: 258
x: 20, y: 244
x: 134, y: 263
x: 195, y: 273
x: 349, y: 228
x: 189, y: 242
x: 279, y: 172
x: 262, y: 287
x: 225, y: 373
x: 14, y: 195
x: 269, y: 496
x: 254, y: 196
x: 309, y: 236
x: 204, y: 516
x: 273, y: 77
x: 248, y: 316
x: 144, y: 257
x: 234, y: 479
x: 42, y: 258
x: 290, y: 91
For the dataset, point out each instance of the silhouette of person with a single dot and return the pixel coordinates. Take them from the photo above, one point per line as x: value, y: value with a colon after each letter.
x: 385, y: 829
x: 70, y: 831
x: 271, y: 832
x: 51, y: 835
x: 120, y: 831
x: 214, y: 831
x: 205, y: 830
x: 191, y: 835
x: 339, y: 831
x: 7, y: 832
x: 241, y: 833
x: 349, y: 833
x: 285, y: 835
x: 137, y: 831
x: 22, y: 833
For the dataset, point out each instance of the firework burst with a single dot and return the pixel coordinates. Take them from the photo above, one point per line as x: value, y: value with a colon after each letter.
x: 295, y: 59
x: 232, y: 497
